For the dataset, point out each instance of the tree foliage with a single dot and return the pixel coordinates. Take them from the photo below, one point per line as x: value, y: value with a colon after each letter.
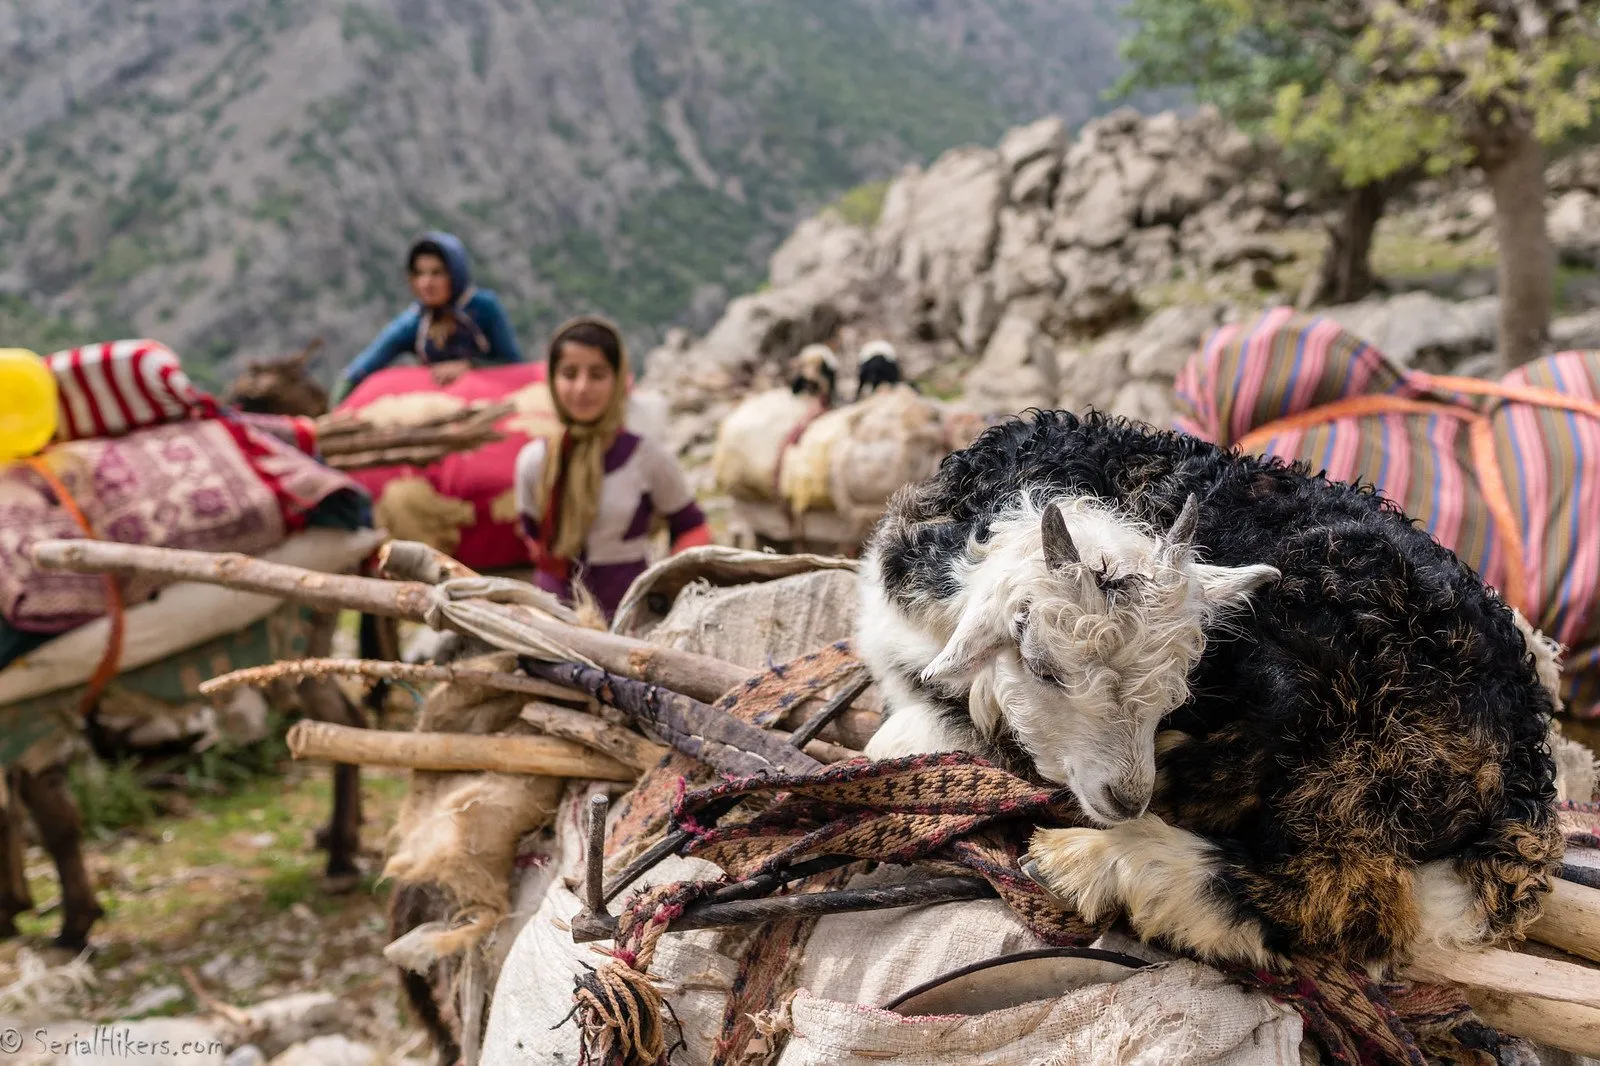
x: 1433, y: 83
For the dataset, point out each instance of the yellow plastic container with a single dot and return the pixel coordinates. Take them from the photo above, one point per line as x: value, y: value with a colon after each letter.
x: 29, y: 404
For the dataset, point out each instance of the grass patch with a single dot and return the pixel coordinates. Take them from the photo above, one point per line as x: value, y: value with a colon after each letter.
x: 862, y: 205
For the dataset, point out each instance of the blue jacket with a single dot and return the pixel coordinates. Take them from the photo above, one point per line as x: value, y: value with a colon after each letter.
x: 495, y: 343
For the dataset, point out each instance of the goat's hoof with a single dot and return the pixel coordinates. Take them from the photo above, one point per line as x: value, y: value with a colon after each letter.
x: 340, y: 884
x: 1030, y: 867
x: 8, y: 928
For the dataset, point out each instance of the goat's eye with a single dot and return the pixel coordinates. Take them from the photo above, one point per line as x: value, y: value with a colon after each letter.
x: 1042, y: 671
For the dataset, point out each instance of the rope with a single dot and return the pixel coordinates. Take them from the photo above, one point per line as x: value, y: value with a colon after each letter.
x: 110, y: 660
x: 459, y: 604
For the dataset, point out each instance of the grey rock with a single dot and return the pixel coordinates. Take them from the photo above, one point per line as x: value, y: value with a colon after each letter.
x: 1167, y: 340
x: 330, y: 1050
x: 1027, y: 144
x: 1417, y: 326
x: 153, y: 999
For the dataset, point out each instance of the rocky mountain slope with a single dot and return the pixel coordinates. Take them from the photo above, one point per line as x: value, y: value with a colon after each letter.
x: 1084, y: 272
x: 240, y: 175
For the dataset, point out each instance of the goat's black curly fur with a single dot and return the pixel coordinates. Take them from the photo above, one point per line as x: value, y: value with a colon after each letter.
x: 1376, y: 709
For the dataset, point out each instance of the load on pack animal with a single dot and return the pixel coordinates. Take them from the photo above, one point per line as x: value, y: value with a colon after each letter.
x: 1353, y: 764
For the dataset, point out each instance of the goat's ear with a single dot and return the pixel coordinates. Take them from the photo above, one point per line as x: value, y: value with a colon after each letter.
x: 1059, y: 550
x: 978, y: 636
x: 1182, y: 531
x: 1231, y: 586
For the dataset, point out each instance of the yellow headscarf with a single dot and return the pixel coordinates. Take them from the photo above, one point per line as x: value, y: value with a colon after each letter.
x: 576, y: 464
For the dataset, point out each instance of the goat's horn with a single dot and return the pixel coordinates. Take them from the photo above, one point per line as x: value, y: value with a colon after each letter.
x: 1059, y: 550
x: 1182, y: 530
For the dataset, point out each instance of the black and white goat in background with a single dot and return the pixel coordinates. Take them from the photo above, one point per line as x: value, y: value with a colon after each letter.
x: 877, y: 367
x: 1353, y: 763
x: 816, y: 373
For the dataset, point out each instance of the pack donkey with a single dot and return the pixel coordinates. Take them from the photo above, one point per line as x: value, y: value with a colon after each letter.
x: 1328, y: 738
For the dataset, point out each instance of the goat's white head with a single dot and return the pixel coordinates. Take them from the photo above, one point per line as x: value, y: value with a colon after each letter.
x: 1078, y: 634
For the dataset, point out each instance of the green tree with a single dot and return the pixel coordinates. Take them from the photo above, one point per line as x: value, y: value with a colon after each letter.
x: 1241, y: 65
x: 1447, y: 83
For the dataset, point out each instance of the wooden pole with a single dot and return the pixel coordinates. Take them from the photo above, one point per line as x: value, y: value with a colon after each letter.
x: 408, y: 600
x: 388, y: 671
x: 1570, y: 920
x: 452, y: 752
x: 1507, y: 973
x: 699, y: 676
x: 1567, y: 1026
x: 623, y: 745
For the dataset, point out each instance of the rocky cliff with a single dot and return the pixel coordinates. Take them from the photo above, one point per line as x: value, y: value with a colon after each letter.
x: 236, y: 176
x: 1084, y: 272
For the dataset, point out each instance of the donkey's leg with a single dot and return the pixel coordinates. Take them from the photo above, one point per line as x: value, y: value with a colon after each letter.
x: 61, y: 830
x: 324, y: 702
x: 14, y: 895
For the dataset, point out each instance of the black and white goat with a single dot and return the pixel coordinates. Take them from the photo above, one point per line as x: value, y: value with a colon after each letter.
x: 878, y: 367
x: 1354, y: 765
x: 816, y: 372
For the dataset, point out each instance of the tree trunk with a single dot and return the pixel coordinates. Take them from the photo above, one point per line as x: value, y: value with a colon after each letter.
x: 1346, y: 272
x: 1513, y: 161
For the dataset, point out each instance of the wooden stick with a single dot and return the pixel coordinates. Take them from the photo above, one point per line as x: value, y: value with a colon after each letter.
x: 1568, y: 1026
x: 699, y: 676
x: 820, y: 750
x: 387, y: 671
x: 587, y: 928
x: 623, y: 745
x: 407, y: 600
x: 410, y: 560
x: 1507, y: 973
x: 729, y: 745
x: 452, y: 752
x: 1571, y: 920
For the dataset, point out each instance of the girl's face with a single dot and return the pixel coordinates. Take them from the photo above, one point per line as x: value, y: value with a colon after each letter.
x: 430, y: 281
x: 584, y: 381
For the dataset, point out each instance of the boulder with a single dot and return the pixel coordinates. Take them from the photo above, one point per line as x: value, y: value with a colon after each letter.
x: 821, y: 242
x: 1574, y: 224
x: 1168, y: 338
x: 1096, y: 291
x: 1418, y: 329
x: 1027, y: 144
x: 1092, y: 375
x: 328, y: 1051
x: 947, y: 226
x: 1150, y: 402
x: 1018, y: 368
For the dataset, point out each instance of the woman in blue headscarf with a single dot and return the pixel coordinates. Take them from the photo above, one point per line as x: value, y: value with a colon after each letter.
x: 453, y: 325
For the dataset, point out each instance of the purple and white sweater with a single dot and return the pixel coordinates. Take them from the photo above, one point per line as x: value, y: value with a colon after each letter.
x: 641, y: 481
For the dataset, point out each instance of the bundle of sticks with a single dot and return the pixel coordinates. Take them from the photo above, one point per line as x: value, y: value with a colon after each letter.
x: 349, y: 442
x: 607, y: 707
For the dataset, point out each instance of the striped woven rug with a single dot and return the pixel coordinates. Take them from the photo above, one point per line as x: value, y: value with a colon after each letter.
x: 1509, y: 482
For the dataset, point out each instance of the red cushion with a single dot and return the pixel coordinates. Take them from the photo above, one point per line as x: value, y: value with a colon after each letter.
x: 477, y: 476
x: 115, y: 387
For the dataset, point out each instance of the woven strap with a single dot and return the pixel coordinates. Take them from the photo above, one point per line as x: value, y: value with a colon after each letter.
x: 111, y: 659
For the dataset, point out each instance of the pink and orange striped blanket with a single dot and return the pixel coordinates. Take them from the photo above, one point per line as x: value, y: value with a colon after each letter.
x: 1506, y: 474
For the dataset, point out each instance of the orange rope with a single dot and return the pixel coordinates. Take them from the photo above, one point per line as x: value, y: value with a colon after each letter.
x: 109, y: 662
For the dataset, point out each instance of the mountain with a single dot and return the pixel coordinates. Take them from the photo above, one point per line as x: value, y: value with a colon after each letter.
x: 237, y: 176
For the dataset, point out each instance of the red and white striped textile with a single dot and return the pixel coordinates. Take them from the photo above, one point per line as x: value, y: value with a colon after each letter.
x: 115, y: 387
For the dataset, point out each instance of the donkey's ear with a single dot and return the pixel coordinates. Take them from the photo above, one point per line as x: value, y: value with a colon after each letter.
x: 977, y: 637
x: 1231, y: 586
x: 1059, y: 550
